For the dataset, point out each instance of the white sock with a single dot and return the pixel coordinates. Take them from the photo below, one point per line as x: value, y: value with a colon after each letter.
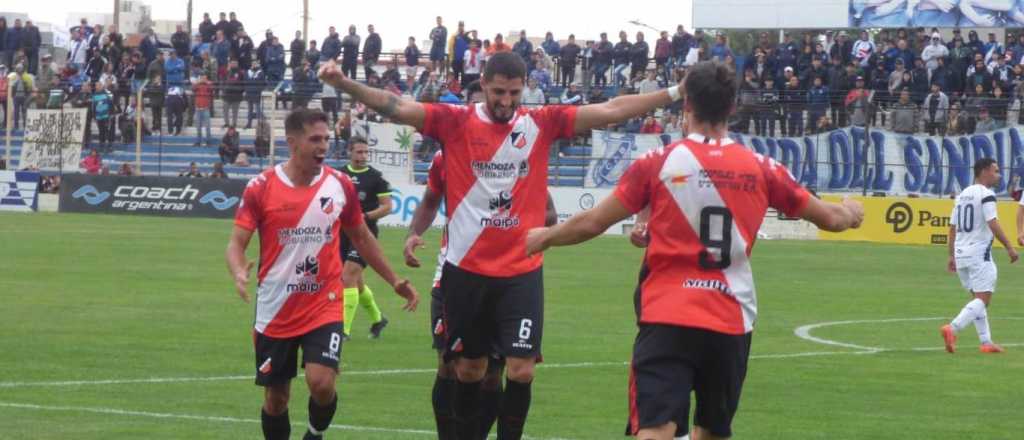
x: 981, y: 325
x: 968, y: 314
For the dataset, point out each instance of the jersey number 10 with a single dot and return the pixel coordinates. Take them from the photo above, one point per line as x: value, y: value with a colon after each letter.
x: 722, y: 244
x: 964, y: 218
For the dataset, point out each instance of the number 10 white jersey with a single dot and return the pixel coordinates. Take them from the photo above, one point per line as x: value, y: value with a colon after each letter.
x: 974, y: 208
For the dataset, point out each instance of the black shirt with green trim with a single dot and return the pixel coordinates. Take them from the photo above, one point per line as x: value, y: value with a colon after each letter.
x: 370, y: 185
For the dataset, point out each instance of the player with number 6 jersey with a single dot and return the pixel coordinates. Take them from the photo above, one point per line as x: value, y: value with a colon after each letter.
x: 696, y: 303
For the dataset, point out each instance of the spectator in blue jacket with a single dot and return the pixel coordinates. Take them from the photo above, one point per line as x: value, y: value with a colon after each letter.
x: 330, y: 49
x: 620, y: 57
x: 817, y: 102
x: 255, y: 83
x: 639, y: 56
x: 12, y: 41
x: 460, y: 44
x: 523, y: 47
x: 174, y: 69
x: 412, y: 53
x: 550, y: 46
x: 149, y: 46
x: 275, y: 62
x: 221, y: 49
x: 603, y: 58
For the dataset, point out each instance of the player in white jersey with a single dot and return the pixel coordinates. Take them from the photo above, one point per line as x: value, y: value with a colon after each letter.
x: 972, y: 226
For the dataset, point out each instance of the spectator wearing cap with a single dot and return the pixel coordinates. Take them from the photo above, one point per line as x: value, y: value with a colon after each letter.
x: 933, y: 52
x: 858, y: 103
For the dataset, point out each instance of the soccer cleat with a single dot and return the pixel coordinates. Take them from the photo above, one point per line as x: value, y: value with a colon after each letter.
x: 311, y: 436
x: 990, y: 348
x: 378, y: 327
x: 345, y: 337
x: 949, y: 337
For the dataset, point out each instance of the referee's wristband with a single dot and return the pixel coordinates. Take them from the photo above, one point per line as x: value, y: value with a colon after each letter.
x: 674, y: 93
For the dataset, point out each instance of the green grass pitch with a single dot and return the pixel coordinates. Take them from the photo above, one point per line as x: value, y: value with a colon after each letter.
x: 120, y: 327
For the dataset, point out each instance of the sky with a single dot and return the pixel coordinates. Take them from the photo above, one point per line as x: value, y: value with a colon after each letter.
x: 397, y: 19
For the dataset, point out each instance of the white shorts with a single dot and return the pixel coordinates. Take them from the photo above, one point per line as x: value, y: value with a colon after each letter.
x: 977, y: 276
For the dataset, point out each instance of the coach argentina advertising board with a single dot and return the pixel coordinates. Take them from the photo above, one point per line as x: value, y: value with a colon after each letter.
x: 912, y: 220
x: 162, y: 196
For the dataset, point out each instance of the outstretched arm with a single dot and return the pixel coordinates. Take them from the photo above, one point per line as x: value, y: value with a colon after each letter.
x: 369, y: 248
x: 403, y: 111
x: 833, y: 217
x: 579, y: 228
x: 620, y: 109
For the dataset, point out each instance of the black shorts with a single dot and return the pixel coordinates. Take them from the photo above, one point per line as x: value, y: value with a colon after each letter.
x: 496, y: 362
x: 276, y: 359
x: 670, y: 362
x: 349, y: 252
x: 488, y: 315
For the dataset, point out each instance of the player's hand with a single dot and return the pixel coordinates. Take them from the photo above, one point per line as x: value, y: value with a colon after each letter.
x: 1013, y: 255
x: 411, y: 244
x: 1020, y: 240
x: 242, y: 282
x: 856, y: 210
x: 640, y: 237
x: 330, y: 73
x: 535, y: 241
x: 951, y: 265
x: 405, y: 290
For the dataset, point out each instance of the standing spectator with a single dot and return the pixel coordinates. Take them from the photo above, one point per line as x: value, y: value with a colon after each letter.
x: 550, y: 45
x: 329, y: 102
x: 275, y: 62
x: 47, y: 80
x: 263, y: 50
x: 149, y: 46
x: 749, y: 97
x: 77, y: 49
x: 604, y: 56
x: 207, y: 29
x: 567, y: 56
x: 878, y: 83
x: 94, y: 68
x: 229, y: 146
x: 350, y: 52
x: 245, y: 50
x: 523, y: 47
x: 412, y: 53
x: 221, y: 49
x: 93, y: 163
x: 769, y: 108
x: 474, y: 60
x: 533, y: 96
x: 438, y: 37
x: 371, y: 50
x: 182, y: 43
x: 3, y: 39
x: 331, y: 47
x: 919, y: 85
x: 234, y: 87
x: 202, y: 92
x: 13, y: 41
x: 457, y: 46
x: 156, y: 68
x: 22, y: 87
x: 102, y: 110
x: 313, y: 55
x: 863, y: 49
x: 933, y: 53
x: 223, y: 25
x: 959, y: 123
x: 662, y: 53
x: 174, y: 70
x: 233, y: 26
x: 155, y: 93
x: 298, y: 48
x: 841, y: 81
x: 255, y: 83
x: 998, y: 105
x: 84, y: 100
x: 794, y: 101
x: 587, y: 66
x: 985, y: 122
x: 305, y: 85
x: 941, y: 75
x: 935, y: 108
x: 817, y: 102
x: 720, y: 50
x: 639, y: 55
x: 842, y: 50
x: 621, y: 56
x: 31, y: 41
x: 175, y: 104
x: 904, y: 114
x: 858, y: 103
x: 680, y: 48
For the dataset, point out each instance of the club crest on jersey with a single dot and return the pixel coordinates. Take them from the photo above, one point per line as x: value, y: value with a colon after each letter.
x: 518, y: 140
x: 265, y: 368
x: 327, y: 205
x: 309, y: 267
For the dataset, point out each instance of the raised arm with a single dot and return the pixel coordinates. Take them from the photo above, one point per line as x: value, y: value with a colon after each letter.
x: 620, y: 109
x: 403, y: 111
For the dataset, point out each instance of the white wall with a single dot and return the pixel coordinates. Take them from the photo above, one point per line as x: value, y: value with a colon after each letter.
x: 770, y: 14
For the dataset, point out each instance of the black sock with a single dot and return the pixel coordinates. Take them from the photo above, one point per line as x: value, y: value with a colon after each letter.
x: 490, y: 407
x: 320, y: 416
x: 275, y: 427
x: 467, y: 410
x: 514, y: 406
x: 444, y: 410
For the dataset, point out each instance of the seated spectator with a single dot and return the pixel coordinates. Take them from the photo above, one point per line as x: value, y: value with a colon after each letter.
x: 649, y: 84
x: 93, y: 163
x: 651, y: 126
x: 533, y: 95
x: 229, y: 147
x: 218, y: 171
x: 572, y: 96
x: 958, y: 123
x: 985, y: 122
x: 192, y: 171
x: 824, y: 124
x: 125, y: 170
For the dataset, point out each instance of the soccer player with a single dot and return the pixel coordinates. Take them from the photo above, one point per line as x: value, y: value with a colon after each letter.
x: 299, y: 209
x: 444, y: 382
x: 695, y: 302
x: 971, y: 227
x: 375, y: 200
x: 496, y: 161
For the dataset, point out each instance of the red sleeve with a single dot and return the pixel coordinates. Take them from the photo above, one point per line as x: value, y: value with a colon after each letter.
x: 558, y: 120
x: 247, y: 216
x: 784, y: 193
x: 435, y: 177
x: 441, y: 121
x: 351, y: 214
x: 634, y: 188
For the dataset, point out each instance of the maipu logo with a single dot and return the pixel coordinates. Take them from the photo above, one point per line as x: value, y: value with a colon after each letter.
x: 219, y: 200
x: 91, y: 195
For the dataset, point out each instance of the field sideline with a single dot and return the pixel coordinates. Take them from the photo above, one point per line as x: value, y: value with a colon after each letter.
x: 121, y: 327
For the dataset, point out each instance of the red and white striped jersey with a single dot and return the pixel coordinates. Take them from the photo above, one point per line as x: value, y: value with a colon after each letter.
x: 300, y: 285
x: 436, y: 185
x: 496, y: 177
x: 707, y: 199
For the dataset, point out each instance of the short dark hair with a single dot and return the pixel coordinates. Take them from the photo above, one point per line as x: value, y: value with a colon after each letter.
x: 473, y: 87
x: 357, y: 139
x: 298, y: 119
x: 711, y: 89
x: 506, y: 64
x: 982, y: 164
